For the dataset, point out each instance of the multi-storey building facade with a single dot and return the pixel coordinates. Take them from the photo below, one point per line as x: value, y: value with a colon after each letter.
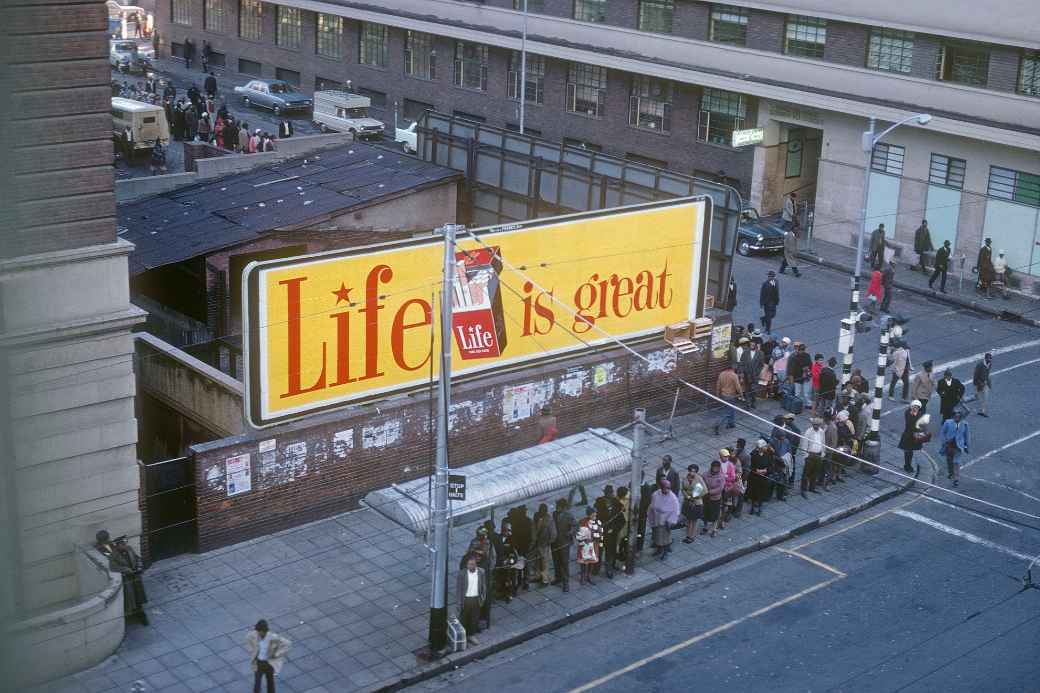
x: 668, y: 81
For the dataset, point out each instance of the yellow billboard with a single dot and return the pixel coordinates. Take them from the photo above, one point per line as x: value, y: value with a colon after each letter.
x: 330, y: 329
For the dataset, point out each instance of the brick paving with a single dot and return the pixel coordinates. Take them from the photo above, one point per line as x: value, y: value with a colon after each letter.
x: 352, y: 591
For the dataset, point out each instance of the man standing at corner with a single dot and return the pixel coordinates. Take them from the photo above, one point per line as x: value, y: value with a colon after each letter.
x: 769, y: 299
x: 877, y: 247
x: 980, y: 379
x: 942, y: 265
x: 472, y: 593
x: 922, y: 243
x: 267, y: 652
x: 728, y: 389
x: 561, y: 550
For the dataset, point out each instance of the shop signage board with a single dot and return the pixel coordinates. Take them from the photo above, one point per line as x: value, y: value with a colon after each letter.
x: 327, y: 330
x: 744, y: 138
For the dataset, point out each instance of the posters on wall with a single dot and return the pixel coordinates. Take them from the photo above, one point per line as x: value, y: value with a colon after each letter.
x: 721, y: 336
x: 520, y: 402
x: 237, y: 474
x: 342, y: 443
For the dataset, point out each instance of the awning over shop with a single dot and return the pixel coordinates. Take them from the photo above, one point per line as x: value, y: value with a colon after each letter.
x: 519, y: 475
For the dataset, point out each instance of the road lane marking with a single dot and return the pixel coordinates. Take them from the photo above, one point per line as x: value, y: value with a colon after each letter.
x: 971, y: 512
x: 1005, y: 487
x: 703, y: 636
x: 810, y: 559
x: 967, y: 536
x: 1001, y: 449
x: 1017, y: 365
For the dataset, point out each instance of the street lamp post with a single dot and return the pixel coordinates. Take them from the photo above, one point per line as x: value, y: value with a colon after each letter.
x: 868, y: 142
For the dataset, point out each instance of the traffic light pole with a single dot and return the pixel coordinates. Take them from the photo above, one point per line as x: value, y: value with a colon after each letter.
x: 438, y: 634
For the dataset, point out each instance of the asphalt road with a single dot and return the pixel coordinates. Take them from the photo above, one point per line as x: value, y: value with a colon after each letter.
x: 923, y: 593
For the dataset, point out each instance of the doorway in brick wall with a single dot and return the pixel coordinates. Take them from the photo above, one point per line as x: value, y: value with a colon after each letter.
x: 169, y: 517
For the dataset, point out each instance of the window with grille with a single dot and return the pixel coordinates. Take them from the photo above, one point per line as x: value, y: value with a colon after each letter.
x: 590, y: 10
x: 1016, y: 186
x: 287, y: 75
x: 963, y: 64
x: 289, y: 27
x: 587, y: 89
x: 532, y: 5
x: 891, y: 50
x: 728, y: 24
x: 721, y: 113
x: 805, y: 36
x: 535, y: 83
x: 329, y: 40
x: 471, y: 61
x: 214, y: 16
x: 650, y: 104
x: 377, y: 99
x: 420, y: 58
x: 249, y: 67
x: 947, y: 171
x: 251, y: 19
x: 656, y: 16
x: 888, y: 158
x: 372, y: 49
x: 180, y: 12
x: 1029, y: 74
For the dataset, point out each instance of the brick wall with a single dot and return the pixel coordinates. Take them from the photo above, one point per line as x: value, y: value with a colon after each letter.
x: 1003, y: 68
x: 328, y: 465
x: 846, y: 44
x: 765, y: 31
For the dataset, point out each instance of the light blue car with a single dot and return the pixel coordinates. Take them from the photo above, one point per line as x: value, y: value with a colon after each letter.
x: 274, y: 94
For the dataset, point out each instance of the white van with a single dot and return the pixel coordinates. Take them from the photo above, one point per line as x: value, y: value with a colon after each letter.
x: 342, y: 111
x: 146, y: 121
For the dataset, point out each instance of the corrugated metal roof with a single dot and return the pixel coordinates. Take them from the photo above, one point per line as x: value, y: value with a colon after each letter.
x: 224, y: 212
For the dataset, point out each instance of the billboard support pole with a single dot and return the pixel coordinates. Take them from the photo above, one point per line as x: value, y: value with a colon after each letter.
x: 438, y: 634
x: 635, y: 485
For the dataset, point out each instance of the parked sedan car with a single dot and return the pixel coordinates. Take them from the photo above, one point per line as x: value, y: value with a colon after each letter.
x: 122, y: 53
x: 274, y: 94
x: 759, y: 234
x: 408, y: 138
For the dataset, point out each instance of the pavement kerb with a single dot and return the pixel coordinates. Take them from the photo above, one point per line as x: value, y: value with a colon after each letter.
x: 978, y: 306
x: 454, y: 661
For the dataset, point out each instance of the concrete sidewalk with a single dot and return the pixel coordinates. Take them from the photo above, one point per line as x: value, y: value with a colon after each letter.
x: 960, y: 288
x: 352, y: 591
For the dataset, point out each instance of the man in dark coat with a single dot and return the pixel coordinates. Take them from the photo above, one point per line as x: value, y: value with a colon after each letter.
x: 942, y: 265
x: 561, y: 550
x: 888, y: 279
x: 666, y: 471
x: 124, y: 560
x: 877, y: 246
x: 922, y: 243
x: 285, y: 129
x: 523, y: 534
x: 951, y: 392
x: 769, y: 299
x: 828, y: 388
x: 984, y: 264
x: 189, y: 52
x: 472, y: 592
x: 752, y: 368
x: 210, y: 85
x: 981, y: 380
x: 608, y: 512
x: 799, y: 366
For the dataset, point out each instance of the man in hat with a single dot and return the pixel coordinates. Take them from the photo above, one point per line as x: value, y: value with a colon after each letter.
x: 794, y: 439
x: 922, y: 243
x: 769, y: 299
x: 124, y: 560
x: 790, y: 258
x: 981, y: 380
x: 267, y: 653
x: 752, y: 369
x: 922, y: 387
x: 942, y: 265
x: 814, y: 448
x: 951, y: 392
x: 984, y: 265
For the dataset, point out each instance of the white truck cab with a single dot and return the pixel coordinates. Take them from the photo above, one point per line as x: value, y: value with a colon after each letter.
x: 408, y: 138
x: 342, y: 111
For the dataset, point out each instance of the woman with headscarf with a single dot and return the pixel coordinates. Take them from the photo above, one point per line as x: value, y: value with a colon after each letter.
x: 734, y: 497
x: 218, y: 132
x: 662, y: 516
x: 758, y: 481
x: 588, y: 550
x: 914, y: 437
x: 715, y: 480
x: 693, y: 490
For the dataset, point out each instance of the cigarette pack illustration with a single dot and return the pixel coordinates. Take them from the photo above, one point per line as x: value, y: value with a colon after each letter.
x: 477, y: 320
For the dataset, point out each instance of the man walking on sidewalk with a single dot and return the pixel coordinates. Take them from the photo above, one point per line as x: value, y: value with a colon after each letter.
x: 788, y: 215
x: 980, y: 379
x: 954, y: 439
x: 951, y: 392
x: 728, y: 389
x: 888, y: 280
x: 267, y: 652
x: 769, y: 299
x: 922, y: 387
x: 790, y: 258
x: 942, y: 265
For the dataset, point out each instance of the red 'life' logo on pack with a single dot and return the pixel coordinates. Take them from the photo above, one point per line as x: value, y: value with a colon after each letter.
x: 477, y: 321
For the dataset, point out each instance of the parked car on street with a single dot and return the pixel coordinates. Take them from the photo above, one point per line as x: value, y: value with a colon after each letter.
x: 759, y: 234
x: 274, y: 94
x: 342, y: 111
x: 125, y: 56
x: 408, y: 137
x: 146, y: 121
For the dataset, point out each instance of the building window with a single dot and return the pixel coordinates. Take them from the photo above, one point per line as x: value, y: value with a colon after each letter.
x: 587, y: 89
x: 532, y: 5
x: 472, y: 117
x: 535, y: 85
x: 656, y: 16
x: 891, y: 50
x: 728, y: 24
x: 213, y: 18
x: 590, y: 10
x: 287, y: 75
x: 888, y: 158
x: 327, y: 83
x: 805, y: 36
x: 289, y: 27
x: 1029, y: 74
x: 471, y: 62
x: 645, y: 160
x: 650, y: 104
x: 1016, y: 186
x: 575, y: 143
x: 249, y: 67
x: 372, y: 46
x: 251, y: 19
x: 963, y: 63
x: 377, y: 99
x: 180, y: 12
x: 413, y: 110
x: 329, y: 43
x: 947, y: 171
x: 420, y: 58
x: 721, y: 113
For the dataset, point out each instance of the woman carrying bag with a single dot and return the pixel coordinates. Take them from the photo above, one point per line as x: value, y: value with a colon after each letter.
x: 693, y: 491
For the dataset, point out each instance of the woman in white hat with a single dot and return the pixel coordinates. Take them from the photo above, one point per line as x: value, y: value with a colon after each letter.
x: 914, y: 434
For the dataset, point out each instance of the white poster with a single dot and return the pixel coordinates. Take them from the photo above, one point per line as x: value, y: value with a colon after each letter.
x: 342, y: 443
x: 237, y: 474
